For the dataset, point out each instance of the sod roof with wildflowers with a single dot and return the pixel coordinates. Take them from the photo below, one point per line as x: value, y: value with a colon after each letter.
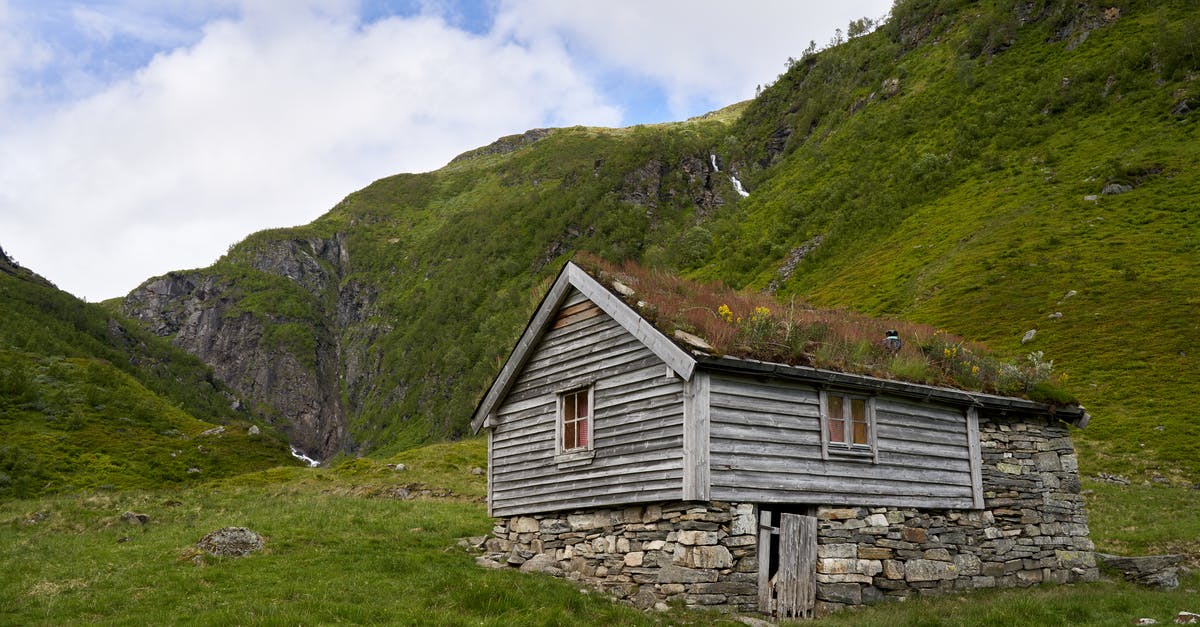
x: 754, y: 325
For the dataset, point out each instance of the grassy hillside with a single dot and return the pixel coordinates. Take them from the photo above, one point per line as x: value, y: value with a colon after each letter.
x: 956, y: 167
x: 89, y: 400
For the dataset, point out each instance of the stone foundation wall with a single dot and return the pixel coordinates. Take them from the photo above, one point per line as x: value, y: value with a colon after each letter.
x: 1033, y: 528
x: 697, y: 554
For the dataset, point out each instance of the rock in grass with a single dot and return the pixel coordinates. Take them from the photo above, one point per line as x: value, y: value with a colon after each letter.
x: 231, y: 541
x: 1029, y: 335
x: 135, y: 518
x: 1187, y: 618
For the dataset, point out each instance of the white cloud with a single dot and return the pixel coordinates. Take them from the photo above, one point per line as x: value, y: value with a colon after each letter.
x: 703, y: 53
x: 268, y: 120
x: 140, y: 136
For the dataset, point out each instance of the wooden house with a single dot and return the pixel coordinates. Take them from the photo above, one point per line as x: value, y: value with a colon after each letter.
x: 661, y: 473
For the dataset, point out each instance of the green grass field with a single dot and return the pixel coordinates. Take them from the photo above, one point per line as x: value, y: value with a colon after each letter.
x: 341, y: 548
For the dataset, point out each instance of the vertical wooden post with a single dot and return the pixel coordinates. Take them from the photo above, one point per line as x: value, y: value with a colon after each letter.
x: 976, y: 461
x: 765, y: 598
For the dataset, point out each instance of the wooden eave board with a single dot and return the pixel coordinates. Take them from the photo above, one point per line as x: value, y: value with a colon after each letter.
x: 572, y: 276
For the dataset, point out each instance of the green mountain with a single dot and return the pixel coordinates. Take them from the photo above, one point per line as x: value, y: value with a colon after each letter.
x: 88, y: 399
x: 988, y: 167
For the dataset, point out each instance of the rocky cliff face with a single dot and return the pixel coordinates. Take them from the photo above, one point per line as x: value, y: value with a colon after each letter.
x: 294, y: 323
x: 295, y: 383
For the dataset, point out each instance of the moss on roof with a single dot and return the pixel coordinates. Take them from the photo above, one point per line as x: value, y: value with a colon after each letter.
x: 754, y: 325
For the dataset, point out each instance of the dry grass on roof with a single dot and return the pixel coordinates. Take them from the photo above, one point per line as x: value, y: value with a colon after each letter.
x: 754, y: 325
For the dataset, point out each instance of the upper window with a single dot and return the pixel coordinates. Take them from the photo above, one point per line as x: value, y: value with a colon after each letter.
x: 848, y: 423
x: 575, y: 420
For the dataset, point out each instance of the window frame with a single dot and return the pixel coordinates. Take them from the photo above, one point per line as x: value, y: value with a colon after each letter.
x: 580, y: 454
x: 847, y: 449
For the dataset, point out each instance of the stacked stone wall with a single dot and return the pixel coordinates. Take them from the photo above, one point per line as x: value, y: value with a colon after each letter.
x: 1032, y: 529
x: 696, y: 554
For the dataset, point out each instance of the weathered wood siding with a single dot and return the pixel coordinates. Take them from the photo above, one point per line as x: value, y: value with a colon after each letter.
x: 765, y: 446
x: 638, y: 421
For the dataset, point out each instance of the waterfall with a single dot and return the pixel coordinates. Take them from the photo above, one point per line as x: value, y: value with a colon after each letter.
x: 312, y: 463
x: 737, y: 186
x: 713, y: 158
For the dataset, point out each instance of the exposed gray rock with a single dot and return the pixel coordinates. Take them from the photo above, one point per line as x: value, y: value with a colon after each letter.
x: 793, y: 259
x: 1151, y: 570
x: 201, y: 311
x: 541, y: 563
x: 1187, y: 618
x: 253, y: 430
x: 231, y: 541
x: 487, y: 562
x: 213, y: 431
x: 1113, y: 189
x: 1029, y: 335
x: 135, y: 518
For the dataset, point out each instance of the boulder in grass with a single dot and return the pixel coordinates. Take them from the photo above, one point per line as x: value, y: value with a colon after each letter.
x: 231, y: 541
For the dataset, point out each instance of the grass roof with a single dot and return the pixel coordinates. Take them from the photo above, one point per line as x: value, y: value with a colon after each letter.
x: 754, y: 325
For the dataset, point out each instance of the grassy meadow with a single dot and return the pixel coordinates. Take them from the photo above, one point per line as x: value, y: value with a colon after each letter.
x: 363, y: 543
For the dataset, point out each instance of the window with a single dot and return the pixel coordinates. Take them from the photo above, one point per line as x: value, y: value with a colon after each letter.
x: 848, y: 424
x: 575, y: 420
x: 575, y: 425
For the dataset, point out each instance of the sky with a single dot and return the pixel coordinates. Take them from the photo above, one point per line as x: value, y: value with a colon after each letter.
x: 143, y: 136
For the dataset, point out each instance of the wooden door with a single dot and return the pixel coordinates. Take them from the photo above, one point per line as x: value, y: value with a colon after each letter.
x: 787, y: 553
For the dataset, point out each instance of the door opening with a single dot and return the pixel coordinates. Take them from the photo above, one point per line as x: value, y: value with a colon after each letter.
x: 787, y: 561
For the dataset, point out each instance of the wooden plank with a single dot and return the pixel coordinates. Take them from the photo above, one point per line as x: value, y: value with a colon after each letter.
x: 566, y: 484
x: 784, y: 452
x: 924, y: 423
x: 796, y: 583
x: 789, y: 453
x: 555, y: 484
x: 665, y: 450
x: 913, y: 434
x: 775, y: 435
x: 567, y: 319
x: 929, y: 449
x: 591, y: 359
x: 765, y: 596
x: 490, y: 465
x: 555, y: 504
x: 695, y: 438
x: 947, y: 414
x: 975, y: 458
x: 756, y: 494
x: 790, y: 391
x: 834, y: 476
x: 754, y: 419
x: 787, y: 583
x: 585, y: 373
